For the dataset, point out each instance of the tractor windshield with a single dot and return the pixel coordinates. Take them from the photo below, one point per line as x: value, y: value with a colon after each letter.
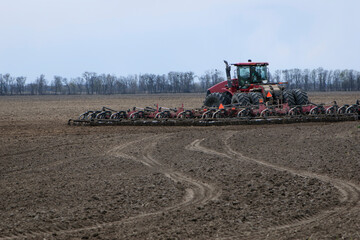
x: 251, y: 74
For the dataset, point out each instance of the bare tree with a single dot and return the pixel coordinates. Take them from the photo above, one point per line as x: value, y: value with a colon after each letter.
x: 329, y: 81
x: 7, y: 80
x: 67, y: 85
x: 121, y: 85
x: 110, y: 82
x: 297, y: 77
x: 313, y: 79
x: 33, y: 88
x: 205, y: 81
x: 97, y: 81
x: 20, y: 84
x: 79, y: 83
x: 41, y: 84
x: 344, y: 80
x: 2, y: 85
x: 58, y: 84
x: 187, y: 81
x: 276, y: 77
x: 161, y: 84
x: 174, y: 81
x: 306, y: 77
x: 351, y: 78
x: 132, y: 81
x: 287, y: 78
x: 89, y: 81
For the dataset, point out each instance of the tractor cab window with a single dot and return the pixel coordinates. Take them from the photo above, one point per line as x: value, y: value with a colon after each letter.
x: 258, y: 74
x: 243, y: 75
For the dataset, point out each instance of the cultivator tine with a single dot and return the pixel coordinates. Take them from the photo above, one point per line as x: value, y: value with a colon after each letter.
x: 108, y: 109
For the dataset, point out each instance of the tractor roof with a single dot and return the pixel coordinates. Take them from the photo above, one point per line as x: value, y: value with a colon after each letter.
x: 251, y: 64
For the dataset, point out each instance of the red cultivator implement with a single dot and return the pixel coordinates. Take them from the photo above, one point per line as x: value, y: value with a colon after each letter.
x: 223, y: 115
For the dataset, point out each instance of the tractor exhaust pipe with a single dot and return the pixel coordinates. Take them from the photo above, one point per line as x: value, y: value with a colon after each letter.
x: 228, y: 74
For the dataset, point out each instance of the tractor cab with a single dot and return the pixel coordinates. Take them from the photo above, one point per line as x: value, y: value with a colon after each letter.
x: 251, y: 73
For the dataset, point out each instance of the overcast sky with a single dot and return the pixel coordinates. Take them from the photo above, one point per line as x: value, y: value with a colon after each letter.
x: 69, y: 37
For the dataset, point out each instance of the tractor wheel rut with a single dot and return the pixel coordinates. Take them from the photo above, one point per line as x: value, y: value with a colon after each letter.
x: 198, y: 192
x: 350, y: 192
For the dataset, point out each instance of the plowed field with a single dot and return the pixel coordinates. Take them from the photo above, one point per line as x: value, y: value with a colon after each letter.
x: 295, y: 181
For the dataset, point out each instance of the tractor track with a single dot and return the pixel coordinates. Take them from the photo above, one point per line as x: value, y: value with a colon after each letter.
x: 199, y: 192
x: 350, y: 193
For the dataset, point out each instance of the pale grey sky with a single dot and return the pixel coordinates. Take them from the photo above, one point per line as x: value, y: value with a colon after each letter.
x: 69, y: 37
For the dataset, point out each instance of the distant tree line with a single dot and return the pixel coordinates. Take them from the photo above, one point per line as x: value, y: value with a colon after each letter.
x: 93, y: 83
x: 319, y: 79
x: 173, y: 82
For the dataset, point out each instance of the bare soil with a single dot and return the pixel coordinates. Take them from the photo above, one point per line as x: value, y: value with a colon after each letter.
x: 296, y: 181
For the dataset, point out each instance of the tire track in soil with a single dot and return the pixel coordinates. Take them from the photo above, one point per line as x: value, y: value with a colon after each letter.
x: 199, y: 193
x: 350, y: 192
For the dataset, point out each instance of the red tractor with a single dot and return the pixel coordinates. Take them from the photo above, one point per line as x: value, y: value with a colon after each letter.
x: 251, y: 87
